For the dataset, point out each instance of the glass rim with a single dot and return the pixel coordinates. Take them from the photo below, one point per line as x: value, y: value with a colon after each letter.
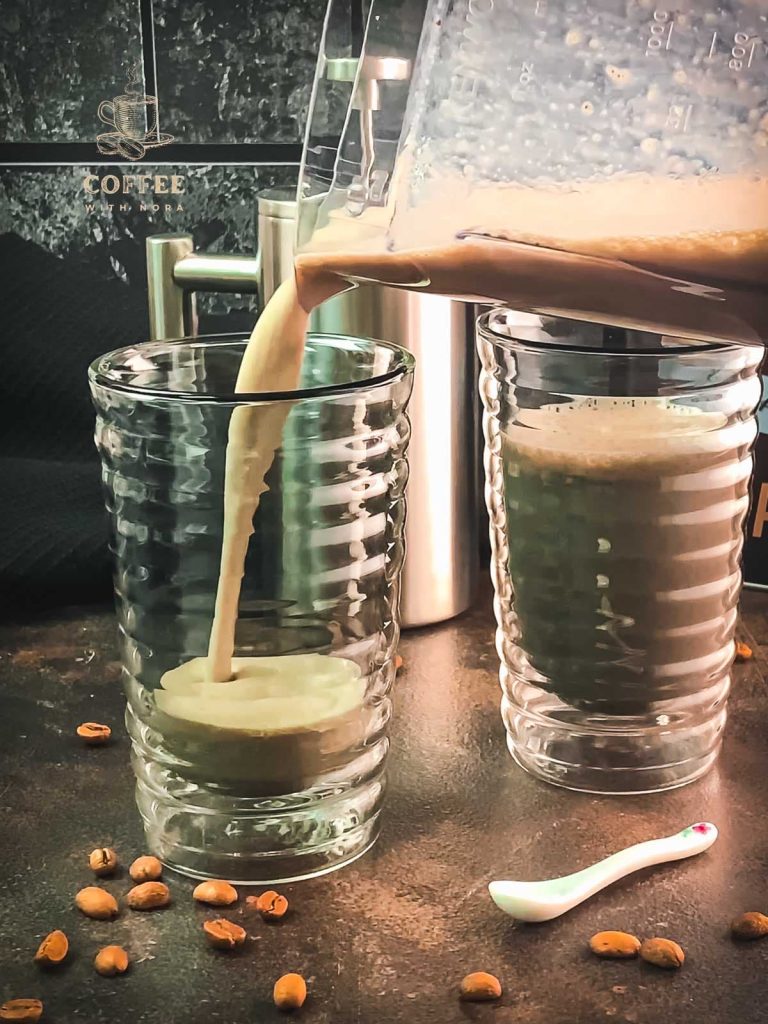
x: 97, y: 375
x: 681, y: 350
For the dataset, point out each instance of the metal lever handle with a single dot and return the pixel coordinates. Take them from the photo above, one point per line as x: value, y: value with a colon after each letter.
x: 202, y: 272
x: 175, y: 271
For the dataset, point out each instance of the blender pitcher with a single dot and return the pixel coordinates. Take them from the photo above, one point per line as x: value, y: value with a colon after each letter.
x: 604, y: 160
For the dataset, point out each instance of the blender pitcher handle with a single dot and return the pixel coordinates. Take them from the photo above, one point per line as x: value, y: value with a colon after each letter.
x: 107, y: 117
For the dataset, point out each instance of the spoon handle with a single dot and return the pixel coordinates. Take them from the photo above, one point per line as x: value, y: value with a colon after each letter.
x: 543, y: 901
x: 583, y: 884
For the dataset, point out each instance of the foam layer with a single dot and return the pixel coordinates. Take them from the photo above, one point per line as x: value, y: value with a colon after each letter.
x: 265, y: 695
x: 716, y: 222
x: 623, y: 437
x: 634, y: 217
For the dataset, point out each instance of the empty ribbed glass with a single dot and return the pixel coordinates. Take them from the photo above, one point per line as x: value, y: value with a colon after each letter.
x: 280, y: 776
x: 618, y: 466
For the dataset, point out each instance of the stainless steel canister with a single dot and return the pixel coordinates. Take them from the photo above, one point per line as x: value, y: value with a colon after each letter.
x: 441, y: 532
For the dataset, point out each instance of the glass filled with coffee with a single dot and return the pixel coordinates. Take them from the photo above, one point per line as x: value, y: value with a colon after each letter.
x: 618, y: 466
x: 258, y: 541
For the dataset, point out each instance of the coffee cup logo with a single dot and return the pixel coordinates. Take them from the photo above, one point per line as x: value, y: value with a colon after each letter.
x: 133, y: 118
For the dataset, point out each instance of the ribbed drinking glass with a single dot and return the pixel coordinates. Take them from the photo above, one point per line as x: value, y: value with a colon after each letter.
x: 281, y: 777
x: 618, y: 466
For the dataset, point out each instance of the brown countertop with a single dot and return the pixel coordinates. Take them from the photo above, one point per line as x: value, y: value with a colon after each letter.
x: 387, y: 939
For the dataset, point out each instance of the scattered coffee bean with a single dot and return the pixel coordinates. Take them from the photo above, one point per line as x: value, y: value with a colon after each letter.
x: 148, y: 896
x: 289, y: 992
x: 146, y: 869
x: 53, y: 950
x: 480, y: 987
x: 215, y: 894
x: 111, y: 960
x: 615, y: 945
x: 222, y: 934
x: 24, y: 1011
x: 662, y: 953
x: 750, y: 926
x: 97, y: 903
x: 743, y: 651
x: 94, y: 734
x: 271, y: 905
x: 103, y: 861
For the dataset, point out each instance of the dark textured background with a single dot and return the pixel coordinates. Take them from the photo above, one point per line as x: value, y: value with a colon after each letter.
x: 58, y: 61
x: 225, y: 73
x: 236, y: 72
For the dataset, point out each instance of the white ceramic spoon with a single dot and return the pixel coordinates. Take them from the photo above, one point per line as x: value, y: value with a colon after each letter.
x: 543, y: 901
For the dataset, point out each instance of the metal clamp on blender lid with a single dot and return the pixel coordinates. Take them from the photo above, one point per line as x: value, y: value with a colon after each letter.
x: 367, y: 73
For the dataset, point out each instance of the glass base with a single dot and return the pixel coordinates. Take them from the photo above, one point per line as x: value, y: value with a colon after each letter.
x: 608, y: 782
x: 208, y: 834
x: 602, y: 758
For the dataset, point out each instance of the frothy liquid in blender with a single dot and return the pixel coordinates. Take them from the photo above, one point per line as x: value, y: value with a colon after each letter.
x: 673, y: 256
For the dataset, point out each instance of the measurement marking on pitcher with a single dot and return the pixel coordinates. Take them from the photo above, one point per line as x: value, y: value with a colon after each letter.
x: 739, y: 51
x: 661, y: 32
x: 742, y: 51
x: 526, y: 73
x: 679, y: 117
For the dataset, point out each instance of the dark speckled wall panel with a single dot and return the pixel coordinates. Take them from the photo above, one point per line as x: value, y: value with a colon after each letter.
x: 58, y: 60
x: 236, y: 71
x: 228, y: 71
x: 105, y: 235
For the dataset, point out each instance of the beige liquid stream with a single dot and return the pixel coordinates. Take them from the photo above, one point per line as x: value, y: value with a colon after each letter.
x: 272, y: 362
x: 606, y: 251
x: 281, y: 699
x: 266, y: 725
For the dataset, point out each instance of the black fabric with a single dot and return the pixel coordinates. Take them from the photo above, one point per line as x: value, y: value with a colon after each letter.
x: 58, y: 315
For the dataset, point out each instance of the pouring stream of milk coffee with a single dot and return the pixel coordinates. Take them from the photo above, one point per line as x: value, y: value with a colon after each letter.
x: 272, y: 362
